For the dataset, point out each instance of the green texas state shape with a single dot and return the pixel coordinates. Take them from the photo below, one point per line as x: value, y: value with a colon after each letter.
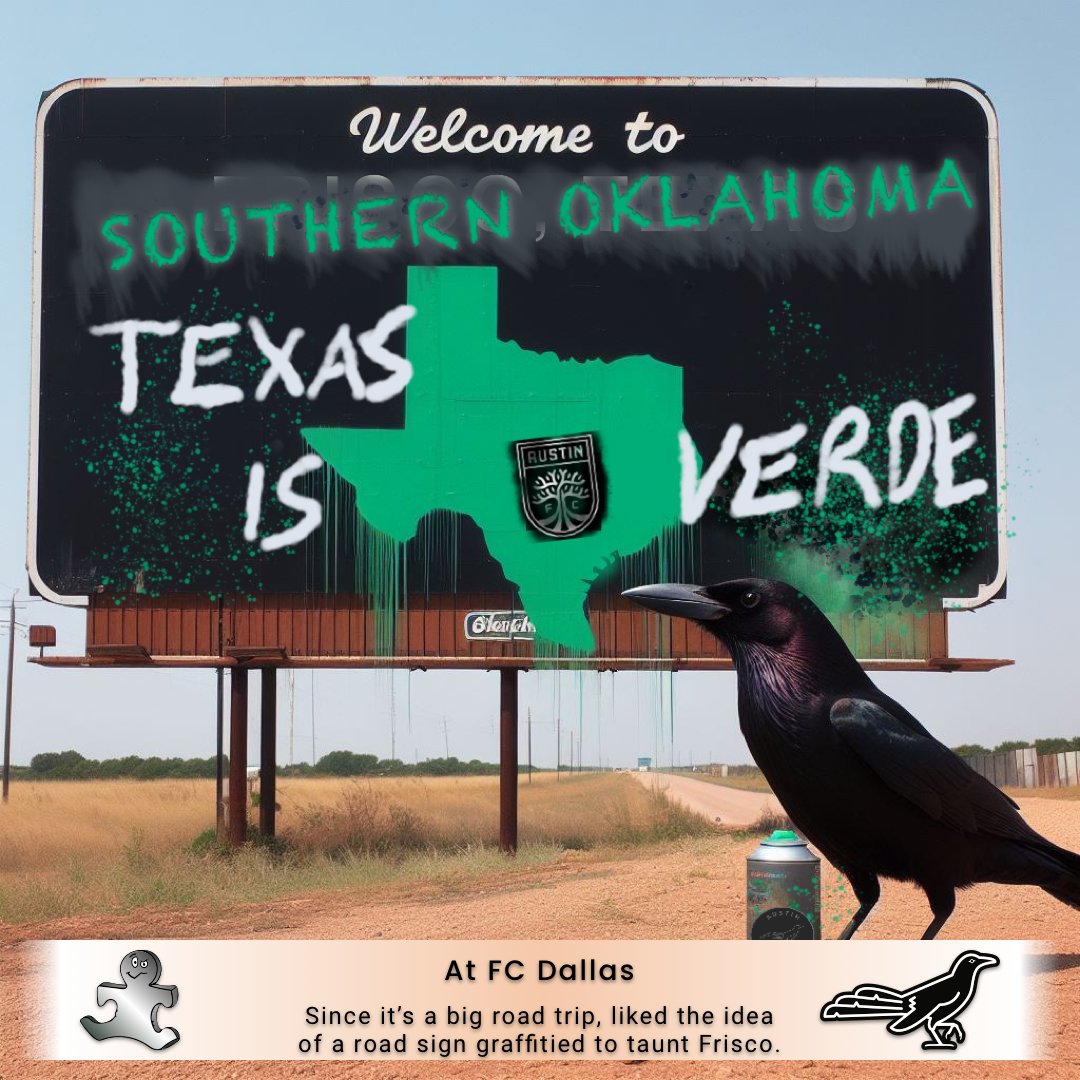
x: 471, y: 397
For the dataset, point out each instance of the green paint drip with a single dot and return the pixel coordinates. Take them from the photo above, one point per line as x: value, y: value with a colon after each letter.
x: 459, y: 459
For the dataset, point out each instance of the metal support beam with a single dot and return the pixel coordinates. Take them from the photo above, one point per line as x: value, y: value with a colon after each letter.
x: 7, y: 706
x: 508, y: 760
x: 268, y: 753
x: 219, y: 775
x: 238, y: 749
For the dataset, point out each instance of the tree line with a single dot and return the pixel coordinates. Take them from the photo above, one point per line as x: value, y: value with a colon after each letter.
x: 1056, y: 745
x: 71, y: 765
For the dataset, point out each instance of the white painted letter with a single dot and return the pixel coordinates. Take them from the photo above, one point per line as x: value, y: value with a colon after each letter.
x: 129, y: 330
x: 925, y: 434
x: 946, y: 451
x: 373, y: 342
x: 185, y: 392
x: 311, y: 508
x: 334, y: 369
x: 279, y: 360
x: 695, y: 495
x: 746, y: 502
x: 254, y: 501
x: 834, y: 459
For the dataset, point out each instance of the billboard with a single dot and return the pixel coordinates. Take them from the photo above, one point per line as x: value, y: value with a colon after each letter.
x: 464, y: 359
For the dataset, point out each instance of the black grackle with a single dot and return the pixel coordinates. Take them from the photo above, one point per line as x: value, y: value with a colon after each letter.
x: 858, y: 775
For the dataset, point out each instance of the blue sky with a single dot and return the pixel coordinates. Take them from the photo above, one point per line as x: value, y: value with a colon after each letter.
x: 1022, y: 55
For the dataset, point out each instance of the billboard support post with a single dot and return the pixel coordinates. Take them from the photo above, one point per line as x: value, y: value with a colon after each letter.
x: 238, y: 748
x: 220, y: 770
x: 7, y: 706
x: 268, y: 753
x: 508, y: 760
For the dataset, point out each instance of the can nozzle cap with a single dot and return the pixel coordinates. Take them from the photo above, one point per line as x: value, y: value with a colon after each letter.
x: 783, y: 834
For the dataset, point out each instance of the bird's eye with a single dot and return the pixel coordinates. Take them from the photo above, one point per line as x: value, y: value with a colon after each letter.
x: 750, y: 599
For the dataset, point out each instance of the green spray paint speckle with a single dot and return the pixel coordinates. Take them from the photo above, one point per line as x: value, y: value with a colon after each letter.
x: 894, y: 560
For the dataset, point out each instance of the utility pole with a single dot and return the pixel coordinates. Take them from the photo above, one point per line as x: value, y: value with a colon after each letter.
x: 313, y: 716
x: 528, y: 713
x: 393, y: 719
x: 446, y: 738
x: 292, y: 716
x: 558, y: 749
x: 219, y: 772
x: 7, y: 708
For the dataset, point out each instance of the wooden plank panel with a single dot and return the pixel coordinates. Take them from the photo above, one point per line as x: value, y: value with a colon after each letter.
x: 159, y: 627
x: 187, y: 631
x: 414, y: 629
x: 939, y: 635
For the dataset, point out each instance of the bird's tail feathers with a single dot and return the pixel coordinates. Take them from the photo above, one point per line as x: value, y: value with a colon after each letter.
x: 865, y: 1002
x: 1063, y: 868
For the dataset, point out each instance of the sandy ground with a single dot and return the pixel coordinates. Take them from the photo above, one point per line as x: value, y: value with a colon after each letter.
x: 727, y: 806
x: 673, y: 896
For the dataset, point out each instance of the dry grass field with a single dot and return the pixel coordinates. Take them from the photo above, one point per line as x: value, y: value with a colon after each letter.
x: 72, y: 847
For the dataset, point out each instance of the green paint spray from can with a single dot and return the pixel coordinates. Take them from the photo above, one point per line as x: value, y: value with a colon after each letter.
x: 783, y: 890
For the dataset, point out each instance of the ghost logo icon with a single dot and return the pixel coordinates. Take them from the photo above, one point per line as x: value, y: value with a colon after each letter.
x: 137, y: 1000
x: 560, y: 484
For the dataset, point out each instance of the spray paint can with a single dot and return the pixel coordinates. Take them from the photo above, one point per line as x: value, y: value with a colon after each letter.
x: 783, y: 891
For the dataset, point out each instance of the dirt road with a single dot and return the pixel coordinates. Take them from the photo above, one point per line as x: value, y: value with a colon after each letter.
x: 693, y: 890
x: 727, y: 806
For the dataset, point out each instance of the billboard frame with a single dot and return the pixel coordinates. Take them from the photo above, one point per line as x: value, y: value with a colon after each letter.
x: 986, y: 592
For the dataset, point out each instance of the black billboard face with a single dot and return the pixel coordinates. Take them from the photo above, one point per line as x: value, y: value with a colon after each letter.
x: 544, y: 340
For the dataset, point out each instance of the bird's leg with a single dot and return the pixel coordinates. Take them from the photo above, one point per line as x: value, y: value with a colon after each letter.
x: 942, y: 903
x: 868, y: 890
x: 955, y: 1030
x: 935, y: 1033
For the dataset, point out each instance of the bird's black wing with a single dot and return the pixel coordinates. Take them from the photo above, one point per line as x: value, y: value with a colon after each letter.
x: 915, y: 765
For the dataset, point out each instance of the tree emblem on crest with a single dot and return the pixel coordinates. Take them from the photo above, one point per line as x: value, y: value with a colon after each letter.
x: 559, y: 484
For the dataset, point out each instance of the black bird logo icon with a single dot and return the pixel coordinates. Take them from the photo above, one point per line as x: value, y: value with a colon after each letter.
x: 934, y: 1004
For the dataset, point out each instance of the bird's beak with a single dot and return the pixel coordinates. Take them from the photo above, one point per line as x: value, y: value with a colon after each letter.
x: 684, y: 601
x: 988, y: 960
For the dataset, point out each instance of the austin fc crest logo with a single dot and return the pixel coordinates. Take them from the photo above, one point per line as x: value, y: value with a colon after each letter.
x: 560, y: 484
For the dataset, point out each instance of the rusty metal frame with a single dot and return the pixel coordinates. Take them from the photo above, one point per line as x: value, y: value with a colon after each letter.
x: 483, y: 663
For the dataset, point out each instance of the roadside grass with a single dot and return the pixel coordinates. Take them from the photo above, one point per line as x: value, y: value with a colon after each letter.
x: 70, y: 848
